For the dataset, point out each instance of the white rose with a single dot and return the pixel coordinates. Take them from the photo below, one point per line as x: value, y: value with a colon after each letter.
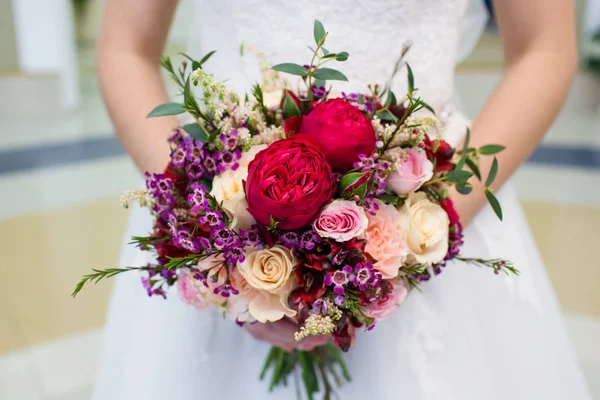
x: 270, y: 273
x: 424, y: 226
x: 228, y: 188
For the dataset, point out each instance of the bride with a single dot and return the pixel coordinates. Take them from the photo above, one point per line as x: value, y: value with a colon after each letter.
x: 468, y: 334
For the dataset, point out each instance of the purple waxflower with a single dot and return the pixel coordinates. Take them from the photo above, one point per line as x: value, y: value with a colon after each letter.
x: 176, y: 137
x: 200, y: 277
x: 148, y: 285
x: 229, y: 160
x: 226, y: 290
x: 320, y: 306
x: 204, y: 244
x: 230, y: 142
x: 197, y: 199
x: 251, y: 237
x: 338, y: 279
x: 289, y: 240
x: 339, y: 257
x: 364, y: 276
x: 194, y: 171
x: 167, y: 273
x: 178, y: 157
x: 214, y: 219
x: 194, y: 152
x: 210, y: 162
x: 339, y: 300
x: 318, y: 92
x: 309, y: 240
x: 234, y: 251
x: 221, y: 237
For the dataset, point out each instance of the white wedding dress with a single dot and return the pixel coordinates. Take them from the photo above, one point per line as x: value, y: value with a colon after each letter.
x: 469, y: 335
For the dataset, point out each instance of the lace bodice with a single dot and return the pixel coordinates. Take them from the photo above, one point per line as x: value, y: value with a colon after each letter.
x: 372, y: 31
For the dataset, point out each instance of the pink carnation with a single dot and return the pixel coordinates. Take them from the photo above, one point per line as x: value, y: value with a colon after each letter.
x: 389, y: 300
x: 412, y: 172
x: 191, y: 290
x: 384, y: 242
x: 341, y: 220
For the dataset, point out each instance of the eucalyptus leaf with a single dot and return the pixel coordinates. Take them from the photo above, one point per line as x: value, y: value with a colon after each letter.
x: 411, y: 79
x: 207, y: 56
x: 324, y: 50
x: 463, y: 188
x: 473, y: 166
x: 428, y: 107
x: 461, y: 163
x: 291, y: 68
x: 320, y: 83
x: 458, y: 176
x: 329, y: 74
x: 196, y: 131
x: 329, y: 55
x: 386, y: 115
x: 491, y: 149
x: 319, y: 32
x: 493, y: 173
x: 467, y: 140
x: 166, y: 109
x: 391, y: 99
x: 494, y: 203
x: 342, y: 56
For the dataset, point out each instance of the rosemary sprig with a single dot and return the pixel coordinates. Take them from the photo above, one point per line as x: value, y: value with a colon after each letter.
x: 100, y: 274
x: 497, y: 264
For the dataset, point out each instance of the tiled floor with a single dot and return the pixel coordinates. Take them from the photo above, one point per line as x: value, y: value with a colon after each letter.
x: 49, y: 342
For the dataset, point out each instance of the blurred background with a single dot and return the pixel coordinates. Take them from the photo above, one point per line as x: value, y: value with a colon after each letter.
x: 62, y: 171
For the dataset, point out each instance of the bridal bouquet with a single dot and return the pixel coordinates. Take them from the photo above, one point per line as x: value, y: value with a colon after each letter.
x: 321, y: 209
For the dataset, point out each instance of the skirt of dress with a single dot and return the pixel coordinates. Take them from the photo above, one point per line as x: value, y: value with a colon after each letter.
x: 468, y: 335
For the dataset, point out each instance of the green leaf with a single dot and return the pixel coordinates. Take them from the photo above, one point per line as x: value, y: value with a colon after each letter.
x: 462, y: 188
x: 329, y: 74
x: 494, y: 203
x: 389, y: 199
x: 473, y: 167
x: 428, y: 107
x: 493, y: 173
x: 386, y: 115
x: 458, y: 176
x: 491, y: 149
x: 329, y: 55
x: 324, y: 50
x: 343, y: 56
x: 166, y: 109
x: 207, y: 56
x: 187, y: 90
x: 196, y: 132
x: 467, y: 140
x: 319, y: 32
x: 411, y: 79
x: 320, y: 83
x: 291, y: 68
x: 391, y: 99
x: 290, y: 109
x: 268, y: 362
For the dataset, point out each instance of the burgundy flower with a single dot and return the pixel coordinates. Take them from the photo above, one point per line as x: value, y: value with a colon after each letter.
x: 440, y: 153
x: 342, y: 131
x: 288, y: 183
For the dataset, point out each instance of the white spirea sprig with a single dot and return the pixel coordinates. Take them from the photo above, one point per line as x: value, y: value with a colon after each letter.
x: 272, y: 80
x: 315, y: 325
x: 383, y: 132
x: 213, y: 92
x: 140, y: 196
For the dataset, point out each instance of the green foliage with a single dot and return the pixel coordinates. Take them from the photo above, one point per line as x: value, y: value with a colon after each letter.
x: 494, y: 203
x: 196, y: 131
x: 166, y: 109
x: 319, y: 32
x: 493, y: 172
x: 491, y: 149
x: 100, y: 274
x: 291, y: 68
x: 411, y: 80
x: 329, y: 74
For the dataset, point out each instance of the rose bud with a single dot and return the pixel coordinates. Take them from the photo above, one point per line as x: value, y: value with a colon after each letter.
x: 357, y: 183
x: 398, y: 110
x: 290, y: 104
x: 342, y: 131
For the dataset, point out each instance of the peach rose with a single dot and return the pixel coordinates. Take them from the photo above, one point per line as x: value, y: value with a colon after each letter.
x: 270, y: 273
x: 425, y: 226
x: 384, y: 241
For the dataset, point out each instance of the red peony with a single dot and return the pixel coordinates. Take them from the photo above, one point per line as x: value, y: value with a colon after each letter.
x: 440, y: 153
x: 342, y: 131
x: 288, y: 182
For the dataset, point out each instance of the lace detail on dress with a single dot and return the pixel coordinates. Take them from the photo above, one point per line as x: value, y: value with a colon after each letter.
x: 372, y: 31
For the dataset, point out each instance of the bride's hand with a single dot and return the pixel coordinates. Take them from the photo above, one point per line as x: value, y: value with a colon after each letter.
x: 281, y: 334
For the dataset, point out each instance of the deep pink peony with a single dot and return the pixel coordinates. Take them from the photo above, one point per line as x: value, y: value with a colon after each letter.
x: 289, y: 182
x: 342, y: 131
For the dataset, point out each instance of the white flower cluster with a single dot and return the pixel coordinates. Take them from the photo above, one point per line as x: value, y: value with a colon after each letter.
x: 315, y: 325
x: 140, y: 196
x: 213, y: 92
x: 272, y: 80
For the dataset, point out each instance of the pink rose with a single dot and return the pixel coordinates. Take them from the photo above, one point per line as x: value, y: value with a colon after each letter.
x: 194, y: 292
x: 413, y: 170
x: 384, y: 241
x: 341, y: 220
x: 391, y: 297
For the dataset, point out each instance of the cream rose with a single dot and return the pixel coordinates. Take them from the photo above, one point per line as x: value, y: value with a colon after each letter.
x: 270, y: 273
x: 424, y: 226
x: 229, y: 189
